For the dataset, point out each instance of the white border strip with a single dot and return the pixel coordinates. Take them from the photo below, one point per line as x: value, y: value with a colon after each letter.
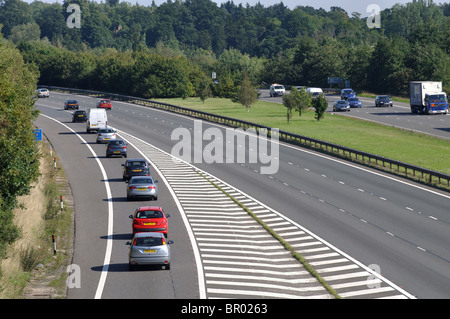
x: 289, y: 220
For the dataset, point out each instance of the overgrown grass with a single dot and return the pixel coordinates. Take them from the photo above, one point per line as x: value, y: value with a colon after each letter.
x: 398, y: 144
x: 38, y: 245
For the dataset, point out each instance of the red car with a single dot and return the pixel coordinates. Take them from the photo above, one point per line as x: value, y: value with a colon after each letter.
x: 149, y: 219
x: 104, y: 104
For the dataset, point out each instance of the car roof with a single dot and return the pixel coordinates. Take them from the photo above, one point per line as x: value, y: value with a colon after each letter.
x: 136, y: 160
x: 148, y: 234
x: 150, y: 208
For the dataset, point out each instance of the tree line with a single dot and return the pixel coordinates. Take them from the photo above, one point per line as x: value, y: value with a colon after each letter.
x: 19, y: 155
x: 172, y: 49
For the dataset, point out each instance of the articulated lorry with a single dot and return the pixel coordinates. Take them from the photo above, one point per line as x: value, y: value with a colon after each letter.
x: 427, y: 97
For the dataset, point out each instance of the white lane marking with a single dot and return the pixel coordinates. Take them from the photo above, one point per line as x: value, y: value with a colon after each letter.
x: 195, y: 249
x: 289, y: 221
x: 109, y: 241
x: 303, y: 150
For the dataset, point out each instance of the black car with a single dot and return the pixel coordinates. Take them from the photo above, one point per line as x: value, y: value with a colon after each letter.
x: 383, y: 100
x: 116, y: 148
x: 135, y: 167
x: 79, y: 116
x: 71, y: 104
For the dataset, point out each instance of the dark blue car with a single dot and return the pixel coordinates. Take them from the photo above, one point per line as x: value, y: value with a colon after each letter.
x: 116, y: 148
x: 354, y: 102
x: 347, y: 93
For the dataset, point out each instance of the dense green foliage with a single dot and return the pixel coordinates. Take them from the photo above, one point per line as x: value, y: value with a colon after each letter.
x: 19, y: 155
x: 118, y: 44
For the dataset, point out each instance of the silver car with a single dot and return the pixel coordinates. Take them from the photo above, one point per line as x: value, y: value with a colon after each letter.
x: 106, y: 134
x: 43, y: 93
x: 149, y: 248
x: 341, y: 105
x: 142, y: 186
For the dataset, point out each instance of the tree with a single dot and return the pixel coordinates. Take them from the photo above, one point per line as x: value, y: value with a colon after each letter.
x: 25, y: 32
x: 304, y: 99
x: 247, y: 94
x: 321, y: 105
x: 204, y: 90
x: 290, y: 102
x: 19, y: 156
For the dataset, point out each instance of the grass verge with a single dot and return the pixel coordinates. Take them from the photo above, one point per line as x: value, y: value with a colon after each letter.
x: 398, y: 144
x: 285, y: 244
x: 32, y: 270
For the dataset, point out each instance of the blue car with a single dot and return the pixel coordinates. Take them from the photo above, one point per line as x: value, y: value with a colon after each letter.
x: 354, y: 102
x: 347, y: 93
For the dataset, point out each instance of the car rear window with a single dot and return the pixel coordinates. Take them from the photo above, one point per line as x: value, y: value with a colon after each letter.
x: 142, y: 181
x: 149, y: 214
x: 137, y: 163
x: 149, y: 241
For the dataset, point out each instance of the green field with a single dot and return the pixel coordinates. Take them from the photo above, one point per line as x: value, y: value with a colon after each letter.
x: 406, y: 146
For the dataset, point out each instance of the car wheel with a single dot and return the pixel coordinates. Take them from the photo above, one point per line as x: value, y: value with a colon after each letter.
x: 131, y: 267
x: 167, y: 266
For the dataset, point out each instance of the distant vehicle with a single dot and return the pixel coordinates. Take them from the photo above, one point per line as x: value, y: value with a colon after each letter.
x: 427, y: 97
x: 43, y: 93
x: 354, y: 102
x: 277, y: 90
x: 383, y: 100
x: 71, y: 104
x: 341, y: 105
x: 142, y: 186
x: 149, y: 219
x: 116, y: 147
x: 79, y: 116
x: 149, y: 248
x: 104, y: 104
x: 135, y: 167
x: 315, y: 92
x: 96, y: 119
x: 347, y: 93
x: 106, y: 134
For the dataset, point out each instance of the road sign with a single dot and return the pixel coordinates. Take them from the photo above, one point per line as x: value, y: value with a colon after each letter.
x: 37, y: 134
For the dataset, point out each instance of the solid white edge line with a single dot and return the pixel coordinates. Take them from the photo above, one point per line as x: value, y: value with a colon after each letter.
x: 374, y: 273
x: 109, y: 242
x: 198, y: 262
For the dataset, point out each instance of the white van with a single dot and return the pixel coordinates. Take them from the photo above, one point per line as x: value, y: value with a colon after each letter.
x: 96, y: 119
x: 276, y: 90
x: 314, y: 91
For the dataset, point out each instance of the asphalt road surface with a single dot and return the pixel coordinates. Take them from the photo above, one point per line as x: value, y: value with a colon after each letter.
x: 370, y: 234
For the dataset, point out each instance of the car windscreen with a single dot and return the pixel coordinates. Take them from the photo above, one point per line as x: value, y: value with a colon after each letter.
x: 437, y: 98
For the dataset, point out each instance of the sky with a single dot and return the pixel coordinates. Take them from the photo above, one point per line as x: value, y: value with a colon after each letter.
x: 350, y: 6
